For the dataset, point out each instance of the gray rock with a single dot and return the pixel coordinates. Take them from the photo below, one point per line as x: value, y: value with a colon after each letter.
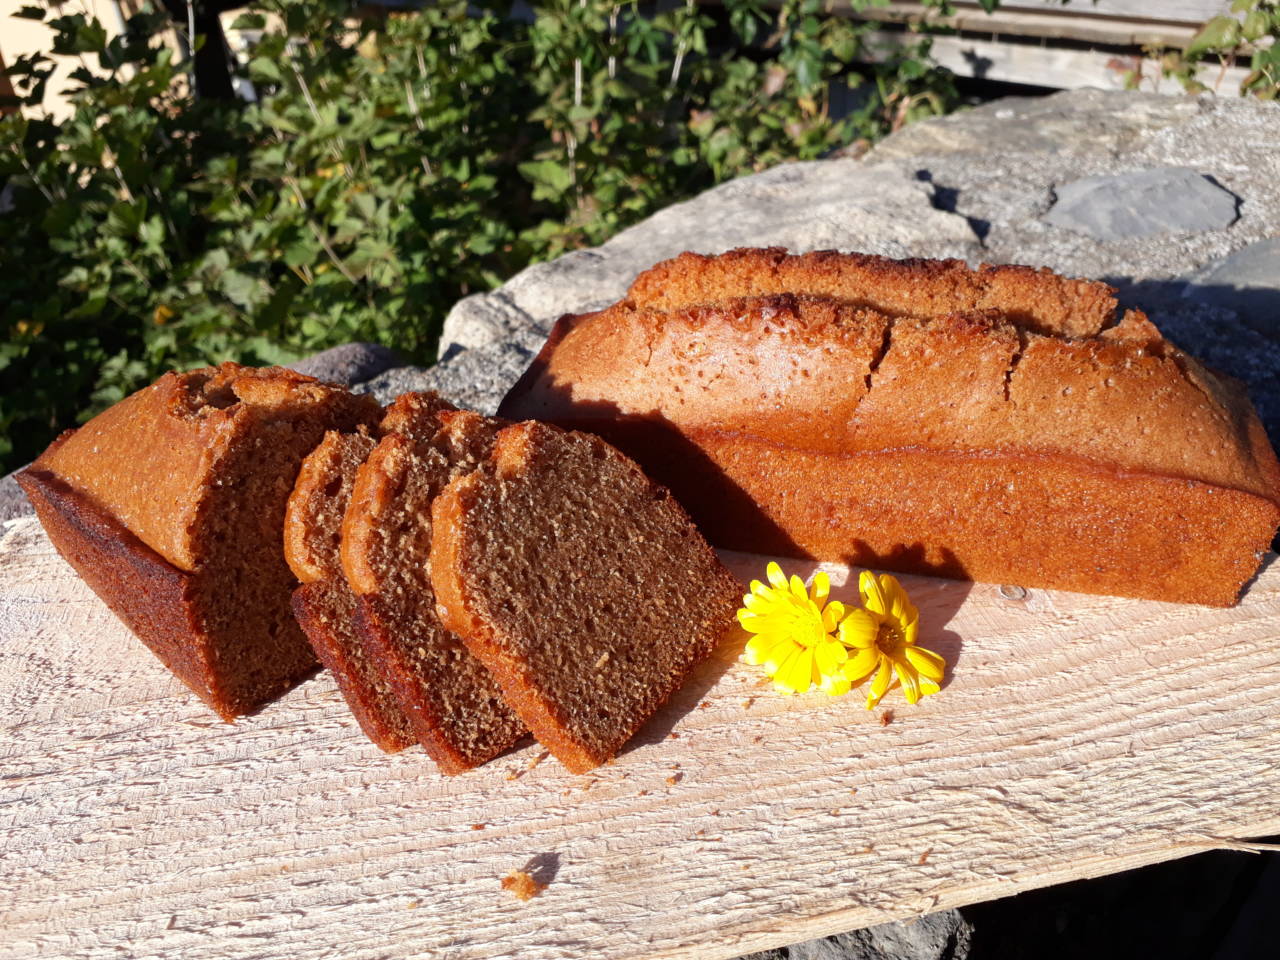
x: 475, y: 379
x: 1246, y: 282
x: 829, y: 204
x: 997, y: 166
x: 1142, y: 202
x: 13, y: 502
x: 939, y: 936
x: 348, y: 364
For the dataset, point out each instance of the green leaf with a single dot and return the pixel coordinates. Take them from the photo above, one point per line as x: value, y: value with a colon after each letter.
x: 1219, y: 34
x: 548, y: 174
x: 249, y: 21
x: 1257, y: 24
x: 240, y: 288
x: 263, y: 70
x: 30, y: 13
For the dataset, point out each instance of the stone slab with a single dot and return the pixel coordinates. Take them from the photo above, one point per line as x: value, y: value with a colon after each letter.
x: 1141, y: 203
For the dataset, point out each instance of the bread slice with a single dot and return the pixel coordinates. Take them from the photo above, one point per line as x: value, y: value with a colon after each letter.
x: 324, y: 604
x: 1000, y: 424
x: 580, y: 583
x: 171, y: 504
x: 452, y: 704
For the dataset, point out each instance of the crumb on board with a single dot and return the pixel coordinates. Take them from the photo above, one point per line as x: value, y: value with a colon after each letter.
x: 704, y: 705
x: 522, y: 885
x: 886, y: 718
x: 924, y: 857
x: 674, y: 779
x: 517, y: 774
x: 746, y: 704
x: 478, y: 826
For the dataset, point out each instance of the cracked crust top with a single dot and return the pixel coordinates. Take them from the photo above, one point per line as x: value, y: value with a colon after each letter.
x: 863, y: 353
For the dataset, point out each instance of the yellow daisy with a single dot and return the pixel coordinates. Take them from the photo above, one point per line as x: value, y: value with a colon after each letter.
x: 882, y: 636
x: 793, y: 630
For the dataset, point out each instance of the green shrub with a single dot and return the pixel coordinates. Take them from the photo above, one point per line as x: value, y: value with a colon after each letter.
x: 390, y: 165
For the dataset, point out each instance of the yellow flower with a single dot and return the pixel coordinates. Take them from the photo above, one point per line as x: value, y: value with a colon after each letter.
x: 883, y: 638
x: 793, y: 630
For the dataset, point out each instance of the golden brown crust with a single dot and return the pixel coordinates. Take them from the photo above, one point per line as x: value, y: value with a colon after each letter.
x: 1036, y: 299
x: 787, y: 376
x: 152, y: 459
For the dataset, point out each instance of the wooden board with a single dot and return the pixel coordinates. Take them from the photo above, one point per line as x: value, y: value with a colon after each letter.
x: 1075, y: 736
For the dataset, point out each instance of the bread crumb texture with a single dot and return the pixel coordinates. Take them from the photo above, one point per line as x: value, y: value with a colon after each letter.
x: 580, y: 583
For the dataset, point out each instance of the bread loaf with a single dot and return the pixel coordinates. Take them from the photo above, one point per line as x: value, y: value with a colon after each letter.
x: 579, y: 583
x: 171, y: 504
x: 999, y: 424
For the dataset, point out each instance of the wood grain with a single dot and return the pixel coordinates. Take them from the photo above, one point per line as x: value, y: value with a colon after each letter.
x: 1075, y: 736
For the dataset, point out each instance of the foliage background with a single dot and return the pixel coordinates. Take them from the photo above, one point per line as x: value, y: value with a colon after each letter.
x: 394, y: 161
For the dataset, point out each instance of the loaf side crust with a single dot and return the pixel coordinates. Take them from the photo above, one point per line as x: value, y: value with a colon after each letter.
x: 151, y: 596
x: 1034, y: 521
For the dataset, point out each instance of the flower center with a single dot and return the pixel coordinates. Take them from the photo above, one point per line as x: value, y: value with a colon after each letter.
x: 889, y: 640
x: 808, y: 625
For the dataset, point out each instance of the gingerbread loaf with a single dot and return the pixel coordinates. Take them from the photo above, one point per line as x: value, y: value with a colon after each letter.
x: 580, y: 583
x: 170, y: 505
x: 999, y: 424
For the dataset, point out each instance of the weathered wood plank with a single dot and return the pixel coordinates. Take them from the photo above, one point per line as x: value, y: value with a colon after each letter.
x: 1076, y: 736
x: 1051, y: 66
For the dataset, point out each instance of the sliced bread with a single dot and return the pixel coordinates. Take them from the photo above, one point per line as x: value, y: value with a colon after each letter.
x: 452, y: 704
x: 324, y: 604
x: 581, y: 584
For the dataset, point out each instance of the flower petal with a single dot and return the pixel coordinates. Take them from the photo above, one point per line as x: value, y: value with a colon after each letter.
x: 832, y: 615
x: 821, y: 587
x: 798, y: 589
x: 835, y: 685
x: 771, y: 651
x: 880, y: 685
x: 909, y: 679
x: 859, y: 629
x: 828, y: 655
x: 926, y: 661
x: 861, y: 665
x: 928, y: 687
x: 796, y: 672
x: 873, y: 597
x: 775, y: 575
